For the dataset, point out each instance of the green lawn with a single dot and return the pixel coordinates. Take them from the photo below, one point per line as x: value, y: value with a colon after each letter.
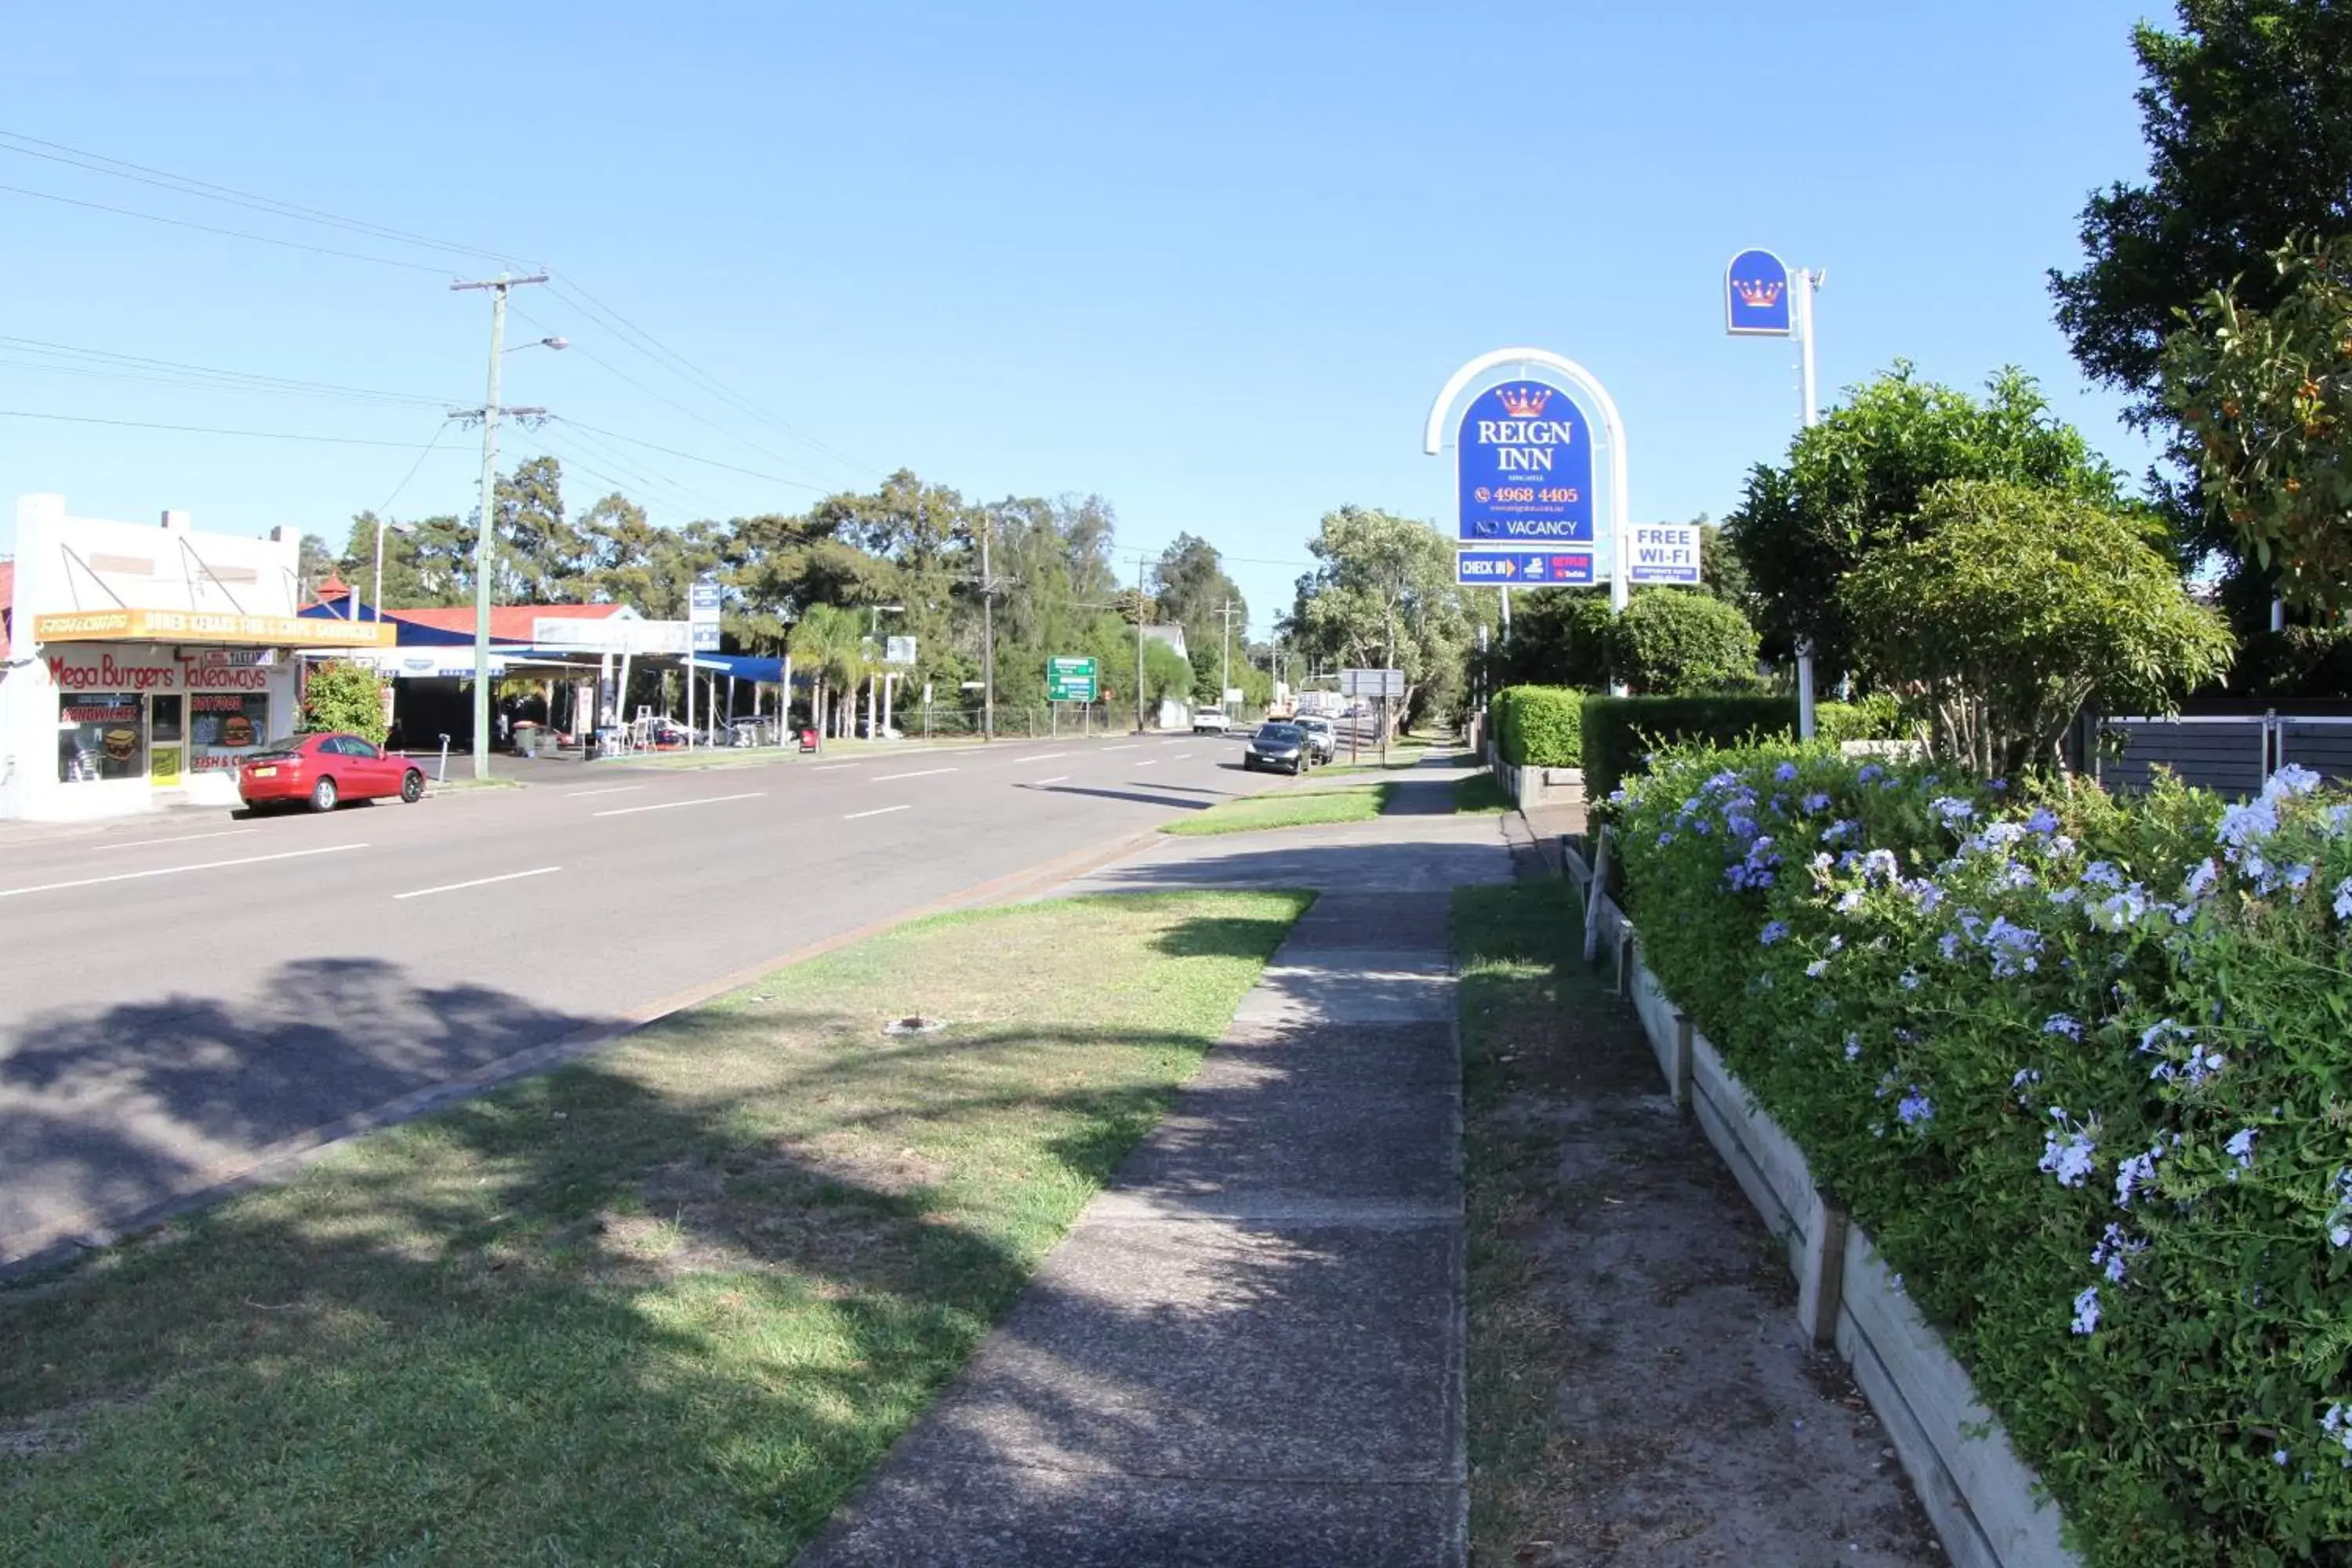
x: 1480, y: 794
x: 1285, y: 808
x: 663, y: 1306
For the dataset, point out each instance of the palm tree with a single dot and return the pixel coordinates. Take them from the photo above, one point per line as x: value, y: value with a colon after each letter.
x: 830, y: 642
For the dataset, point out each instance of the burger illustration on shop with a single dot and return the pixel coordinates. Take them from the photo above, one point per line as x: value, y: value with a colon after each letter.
x: 237, y: 730
x: 119, y: 744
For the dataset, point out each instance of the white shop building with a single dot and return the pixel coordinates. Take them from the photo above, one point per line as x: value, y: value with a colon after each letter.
x: 144, y: 661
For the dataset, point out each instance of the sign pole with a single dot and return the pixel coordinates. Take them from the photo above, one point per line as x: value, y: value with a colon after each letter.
x: 1806, y: 281
x: 1506, y: 592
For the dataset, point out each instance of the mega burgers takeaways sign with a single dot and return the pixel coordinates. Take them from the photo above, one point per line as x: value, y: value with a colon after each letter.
x: 100, y: 670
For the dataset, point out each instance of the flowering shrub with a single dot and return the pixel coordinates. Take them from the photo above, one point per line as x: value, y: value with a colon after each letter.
x: 2083, y: 1069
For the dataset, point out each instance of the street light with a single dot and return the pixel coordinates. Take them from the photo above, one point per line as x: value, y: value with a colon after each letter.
x: 383, y: 526
x: 558, y: 343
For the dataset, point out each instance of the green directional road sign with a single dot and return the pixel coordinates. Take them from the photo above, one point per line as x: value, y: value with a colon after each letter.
x: 1069, y: 679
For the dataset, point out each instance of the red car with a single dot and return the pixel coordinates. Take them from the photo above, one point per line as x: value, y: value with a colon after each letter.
x: 323, y: 771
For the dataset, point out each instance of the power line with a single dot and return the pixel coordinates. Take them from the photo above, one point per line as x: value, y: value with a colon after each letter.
x: 439, y: 431
x: 163, y: 179
x: 654, y: 349
x: 689, y: 457
x: 138, y: 367
x: 618, y: 374
x: 215, y: 430
x: 232, y: 233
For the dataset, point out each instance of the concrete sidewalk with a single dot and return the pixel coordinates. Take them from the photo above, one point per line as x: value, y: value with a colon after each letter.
x: 1249, y: 1349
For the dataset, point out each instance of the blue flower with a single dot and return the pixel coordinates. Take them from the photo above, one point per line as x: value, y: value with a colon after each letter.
x: 1914, y: 1108
x: 2134, y: 1174
x: 1951, y: 810
x: 1849, y: 902
x: 1816, y: 801
x: 2114, y: 1251
x: 2060, y: 1023
x: 1786, y: 772
x: 2086, y: 1310
x: 1773, y: 931
x: 2344, y: 900
x: 1908, y: 980
x: 2102, y: 874
x: 2067, y: 1154
x: 1817, y: 968
x: 1868, y: 772
x: 1838, y: 832
x: 2043, y: 821
x: 1949, y: 945
x: 2200, y: 881
x: 2299, y: 876
x: 1852, y: 1047
x: 1664, y: 839
x: 2291, y: 780
x: 1879, y: 865
x: 2241, y: 1147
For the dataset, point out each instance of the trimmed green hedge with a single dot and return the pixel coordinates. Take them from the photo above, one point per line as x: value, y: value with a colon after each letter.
x: 2080, y: 1066
x: 1878, y: 717
x: 1619, y: 731
x: 1539, y: 726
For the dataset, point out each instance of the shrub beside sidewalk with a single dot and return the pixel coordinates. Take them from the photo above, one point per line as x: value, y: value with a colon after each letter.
x: 666, y: 1304
x: 2079, y: 1066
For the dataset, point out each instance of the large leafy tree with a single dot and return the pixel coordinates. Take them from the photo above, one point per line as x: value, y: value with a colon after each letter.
x: 2016, y: 605
x: 1384, y: 597
x: 2247, y: 112
x: 1671, y: 642
x: 1852, y: 484
x: 2265, y: 400
x: 1194, y: 590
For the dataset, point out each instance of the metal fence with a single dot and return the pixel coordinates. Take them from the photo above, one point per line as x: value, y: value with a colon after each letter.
x: 2233, y: 754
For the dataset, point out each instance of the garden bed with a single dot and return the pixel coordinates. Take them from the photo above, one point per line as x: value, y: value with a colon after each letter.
x: 1984, y: 1503
x: 2077, y: 1066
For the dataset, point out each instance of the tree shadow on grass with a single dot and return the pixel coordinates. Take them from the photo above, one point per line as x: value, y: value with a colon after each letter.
x: 667, y: 1302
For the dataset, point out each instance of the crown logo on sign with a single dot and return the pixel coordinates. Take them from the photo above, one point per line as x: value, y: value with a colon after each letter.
x: 1760, y: 295
x: 1524, y: 401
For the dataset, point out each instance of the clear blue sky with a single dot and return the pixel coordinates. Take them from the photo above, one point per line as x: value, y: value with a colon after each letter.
x: 1212, y: 261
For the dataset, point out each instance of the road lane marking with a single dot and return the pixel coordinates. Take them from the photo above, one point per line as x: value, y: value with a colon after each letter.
x: 921, y: 774
x: 175, y: 870
x: 1152, y: 763
x: 607, y: 789
x: 878, y: 811
x: 477, y: 882
x: 1042, y: 757
x: 832, y: 767
x: 1057, y: 778
x: 673, y: 805
x: 183, y: 839
x: 1130, y: 746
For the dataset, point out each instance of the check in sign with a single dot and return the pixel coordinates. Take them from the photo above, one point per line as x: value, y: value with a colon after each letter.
x: 1522, y: 568
x: 1524, y: 459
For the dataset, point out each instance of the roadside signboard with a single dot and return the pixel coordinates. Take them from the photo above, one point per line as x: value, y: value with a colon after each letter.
x: 1756, y: 296
x: 899, y: 651
x: 702, y: 614
x: 1522, y: 568
x: 1372, y: 682
x: 1523, y: 455
x: 1070, y: 678
x: 1665, y: 553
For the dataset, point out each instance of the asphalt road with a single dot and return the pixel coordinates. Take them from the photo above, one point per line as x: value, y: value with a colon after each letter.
x: 178, y: 995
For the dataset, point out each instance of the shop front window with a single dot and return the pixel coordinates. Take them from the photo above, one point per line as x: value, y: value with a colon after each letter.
x: 101, y: 735
x: 224, y: 728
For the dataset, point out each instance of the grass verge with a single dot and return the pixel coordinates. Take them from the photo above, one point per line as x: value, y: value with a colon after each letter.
x: 1285, y: 808
x: 1512, y: 943
x: 1479, y: 794
x: 664, y: 1305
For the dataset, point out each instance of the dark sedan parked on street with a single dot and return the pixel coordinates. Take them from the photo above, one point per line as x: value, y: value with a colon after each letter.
x: 1283, y: 747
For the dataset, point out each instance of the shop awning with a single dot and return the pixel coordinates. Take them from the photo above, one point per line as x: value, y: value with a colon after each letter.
x: 742, y: 666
